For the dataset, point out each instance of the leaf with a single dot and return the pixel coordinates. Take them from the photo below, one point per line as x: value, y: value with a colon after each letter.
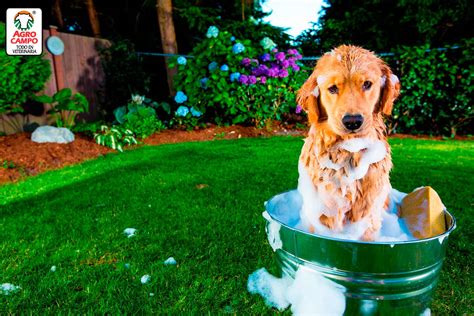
x: 62, y: 94
x: 43, y: 99
x: 119, y: 114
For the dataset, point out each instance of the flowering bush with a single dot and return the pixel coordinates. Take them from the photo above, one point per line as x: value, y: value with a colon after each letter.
x: 232, y: 80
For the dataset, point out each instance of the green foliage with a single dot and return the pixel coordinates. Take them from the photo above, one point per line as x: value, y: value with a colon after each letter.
x: 140, y: 116
x: 115, y: 137
x: 124, y: 72
x: 384, y: 25
x: 20, y: 77
x: 87, y: 128
x: 227, y: 16
x: 8, y: 164
x: 65, y: 106
x: 437, y: 91
x: 226, y: 101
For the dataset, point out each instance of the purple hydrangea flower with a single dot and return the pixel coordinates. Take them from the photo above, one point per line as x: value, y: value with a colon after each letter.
x: 252, y: 80
x: 265, y: 57
x: 224, y: 68
x: 283, y: 73
x: 298, y: 109
x: 244, y: 79
x: 246, y: 62
x: 292, y: 51
x: 298, y: 56
x: 273, y: 72
x: 180, y: 97
x: 182, y: 111
x: 285, y: 63
x: 234, y: 76
x: 263, y: 80
x: 238, y: 48
x: 261, y: 70
x: 280, y: 56
x: 295, y: 67
x: 274, y: 50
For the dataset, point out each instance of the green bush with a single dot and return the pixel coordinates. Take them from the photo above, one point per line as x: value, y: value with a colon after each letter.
x: 20, y: 77
x: 437, y: 91
x: 140, y: 117
x: 233, y: 81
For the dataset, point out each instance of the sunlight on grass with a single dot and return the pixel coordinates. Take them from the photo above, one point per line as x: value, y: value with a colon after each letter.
x: 200, y: 203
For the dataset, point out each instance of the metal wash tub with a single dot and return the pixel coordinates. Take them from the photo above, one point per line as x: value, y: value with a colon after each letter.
x: 380, y: 278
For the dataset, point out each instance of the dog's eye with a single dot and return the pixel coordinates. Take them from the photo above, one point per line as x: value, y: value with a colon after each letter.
x: 366, y: 85
x: 333, y: 89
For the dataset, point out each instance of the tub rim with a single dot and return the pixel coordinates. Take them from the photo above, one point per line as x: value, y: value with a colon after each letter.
x: 386, y: 243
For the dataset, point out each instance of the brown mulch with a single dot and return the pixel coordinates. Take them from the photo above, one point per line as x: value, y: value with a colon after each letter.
x: 30, y: 158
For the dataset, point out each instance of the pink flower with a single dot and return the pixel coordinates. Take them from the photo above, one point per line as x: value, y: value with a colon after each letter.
x: 263, y: 80
x: 298, y: 109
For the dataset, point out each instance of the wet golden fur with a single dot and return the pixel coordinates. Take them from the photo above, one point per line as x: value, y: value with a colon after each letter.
x: 348, y: 67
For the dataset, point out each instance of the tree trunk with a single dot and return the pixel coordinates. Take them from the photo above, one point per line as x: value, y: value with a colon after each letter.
x: 93, y: 17
x: 168, y: 36
x: 58, y: 15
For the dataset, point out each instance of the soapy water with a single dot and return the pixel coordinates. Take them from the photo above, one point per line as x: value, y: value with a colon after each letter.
x: 286, y: 208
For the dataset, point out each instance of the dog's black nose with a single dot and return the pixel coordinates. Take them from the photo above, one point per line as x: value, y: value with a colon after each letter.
x: 352, y: 122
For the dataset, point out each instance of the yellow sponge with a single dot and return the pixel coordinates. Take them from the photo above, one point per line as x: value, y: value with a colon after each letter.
x: 423, y: 212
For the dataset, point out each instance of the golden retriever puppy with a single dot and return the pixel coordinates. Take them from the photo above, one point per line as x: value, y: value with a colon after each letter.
x: 345, y: 161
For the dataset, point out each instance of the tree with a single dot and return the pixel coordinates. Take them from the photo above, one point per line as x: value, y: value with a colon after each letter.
x: 168, y: 36
x: 382, y: 25
x: 93, y: 17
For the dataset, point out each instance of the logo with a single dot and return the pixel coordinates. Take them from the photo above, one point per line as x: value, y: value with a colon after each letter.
x: 24, y: 20
x: 24, y: 33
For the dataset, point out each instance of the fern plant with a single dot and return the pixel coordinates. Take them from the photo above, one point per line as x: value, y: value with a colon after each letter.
x: 115, y: 137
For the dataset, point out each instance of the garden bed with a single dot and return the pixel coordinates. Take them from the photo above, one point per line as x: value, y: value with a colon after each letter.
x: 20, y: 157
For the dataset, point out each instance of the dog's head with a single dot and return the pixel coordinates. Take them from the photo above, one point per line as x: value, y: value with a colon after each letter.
x: 348, y: 85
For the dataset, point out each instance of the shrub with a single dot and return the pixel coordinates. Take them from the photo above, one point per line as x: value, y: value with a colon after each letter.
x: 238, y: 81
x: 115, y: 137
x: 140, y: 117
x: 437, y: 91
x: 20, y: 77
x: 65, y: 106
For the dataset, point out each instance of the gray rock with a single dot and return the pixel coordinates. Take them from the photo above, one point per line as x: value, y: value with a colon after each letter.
x: 51, y: 134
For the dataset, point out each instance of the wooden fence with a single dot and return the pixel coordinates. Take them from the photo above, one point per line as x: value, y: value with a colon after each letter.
x: 78, y: 68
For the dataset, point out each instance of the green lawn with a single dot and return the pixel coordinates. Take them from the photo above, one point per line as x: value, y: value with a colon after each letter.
x: 200, y: 203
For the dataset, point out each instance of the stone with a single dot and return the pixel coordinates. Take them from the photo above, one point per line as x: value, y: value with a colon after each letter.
x: 51, y: 134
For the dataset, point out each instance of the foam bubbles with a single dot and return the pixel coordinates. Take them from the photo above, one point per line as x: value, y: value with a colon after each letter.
x: 308, y: 293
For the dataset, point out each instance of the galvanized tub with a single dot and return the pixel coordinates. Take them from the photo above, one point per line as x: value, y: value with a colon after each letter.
x: 380, y: 278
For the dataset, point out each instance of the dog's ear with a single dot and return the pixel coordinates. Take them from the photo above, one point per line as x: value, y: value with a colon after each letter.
x: 308, y: 96
x: 390, y: 90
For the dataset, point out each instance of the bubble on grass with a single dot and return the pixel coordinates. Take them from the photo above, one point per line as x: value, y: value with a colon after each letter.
x: 170, y: 261
x: 53, y: 269
x: 130, y: 232
x: 145, y: 279
x: 8, y: 288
